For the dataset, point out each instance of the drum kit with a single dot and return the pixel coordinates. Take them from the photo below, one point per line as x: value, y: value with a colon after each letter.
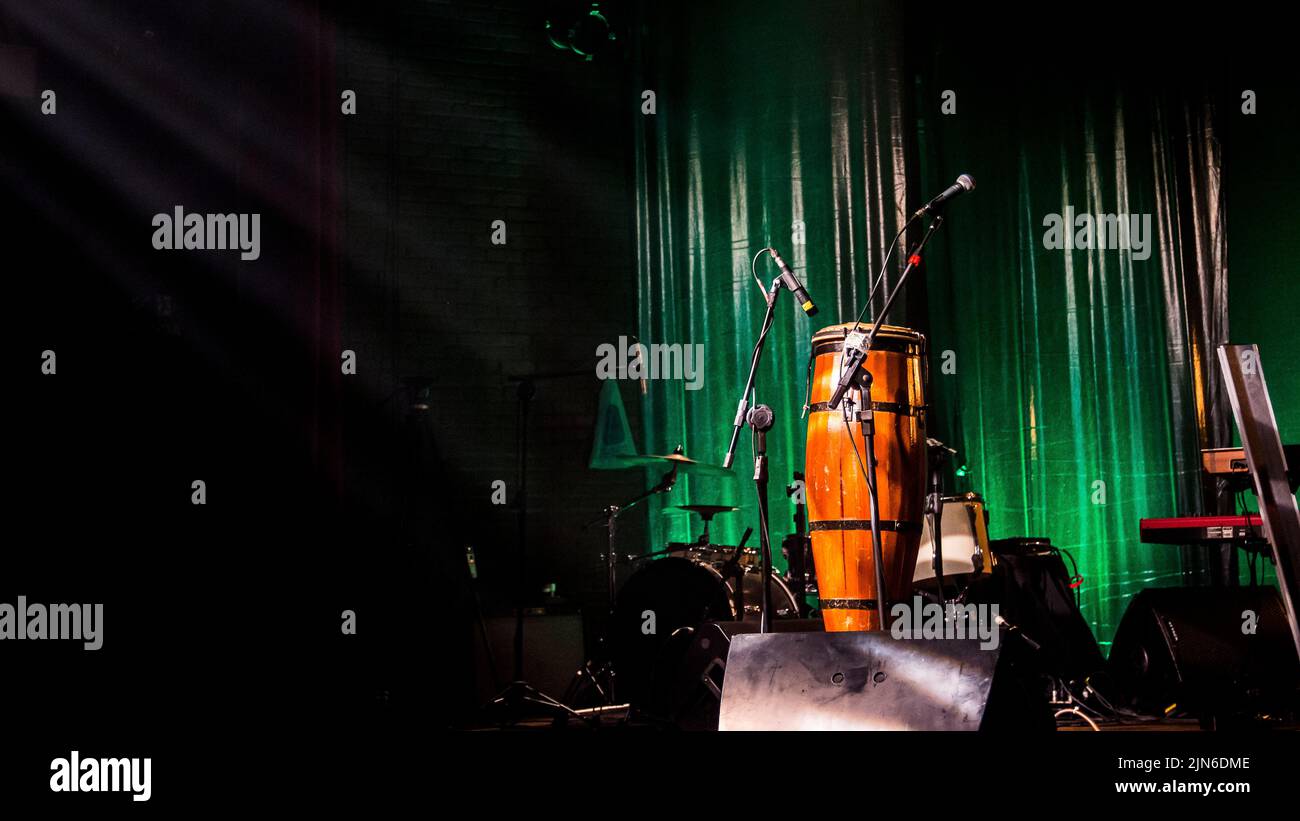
x: 873, y: 478
x: 669, y: 590
x: 930, y: 543
x: 876, y: 515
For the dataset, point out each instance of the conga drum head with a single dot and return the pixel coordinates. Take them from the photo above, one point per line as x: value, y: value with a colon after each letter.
x: 888, y: 338
x: 658, y: 599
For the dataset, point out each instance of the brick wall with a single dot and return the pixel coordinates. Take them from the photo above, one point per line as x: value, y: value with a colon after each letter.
x: 467, y: 115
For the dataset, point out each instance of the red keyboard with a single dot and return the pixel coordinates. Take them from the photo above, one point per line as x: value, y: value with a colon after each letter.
x: 1202, y: 529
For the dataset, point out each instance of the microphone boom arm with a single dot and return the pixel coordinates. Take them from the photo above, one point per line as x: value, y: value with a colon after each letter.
x: 854, y: 358
x: 742, y: 407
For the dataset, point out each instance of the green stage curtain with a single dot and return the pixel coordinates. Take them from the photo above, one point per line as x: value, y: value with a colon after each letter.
x: 1078, y: 385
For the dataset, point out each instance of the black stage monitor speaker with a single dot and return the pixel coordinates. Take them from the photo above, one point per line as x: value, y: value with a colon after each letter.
x: 1032, y: 587
x: 1202, y: 650
x: 691, y: 688
x: 863, y: 681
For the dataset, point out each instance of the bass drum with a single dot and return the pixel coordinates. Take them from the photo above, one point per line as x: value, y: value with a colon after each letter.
x: 783, y: 602
x: 660, y: 605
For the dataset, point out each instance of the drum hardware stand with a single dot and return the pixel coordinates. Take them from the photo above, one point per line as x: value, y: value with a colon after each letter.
x: 636, y: 557
x: 703, y: 540
x: 938, y: 453
x: 796, y: 548
x: 760, y: 423
x: 855, y: 371
x: 731, y: 569
x: 610, y: 517
x: 471, y: 565
x: 601, y: 679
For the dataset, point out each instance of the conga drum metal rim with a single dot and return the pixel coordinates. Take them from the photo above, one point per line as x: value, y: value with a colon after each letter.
x: 893, y: 338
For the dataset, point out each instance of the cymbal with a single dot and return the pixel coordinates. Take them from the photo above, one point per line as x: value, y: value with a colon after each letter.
x: 681, y: 461
x: 706, y: 511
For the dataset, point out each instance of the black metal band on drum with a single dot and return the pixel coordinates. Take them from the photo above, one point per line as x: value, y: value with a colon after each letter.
x: 865, y: 524
x: 879, y: 407
x: 847, y: 604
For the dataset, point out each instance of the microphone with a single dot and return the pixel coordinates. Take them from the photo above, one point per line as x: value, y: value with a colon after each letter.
x: 855, y: 351
x: 939, y: 450
x: 791, y: 282
x: 963, y: 184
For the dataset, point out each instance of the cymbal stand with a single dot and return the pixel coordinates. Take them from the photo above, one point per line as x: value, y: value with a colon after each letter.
x: 610, y: 517
x: 603, y: 678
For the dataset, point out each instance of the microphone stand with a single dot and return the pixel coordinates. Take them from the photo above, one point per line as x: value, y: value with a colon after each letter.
x: 760, y: 420
x: 858, y: 355
x: 519, y: 697
x: 855, y: 372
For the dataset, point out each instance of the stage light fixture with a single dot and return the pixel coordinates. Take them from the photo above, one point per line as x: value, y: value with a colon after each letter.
x: 586, y: 36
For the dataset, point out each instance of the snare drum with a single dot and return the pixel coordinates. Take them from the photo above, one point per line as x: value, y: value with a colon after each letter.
x: 965, y: 544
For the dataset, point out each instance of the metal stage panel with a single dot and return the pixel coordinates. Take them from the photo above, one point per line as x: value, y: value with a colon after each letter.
x: 854, y: 681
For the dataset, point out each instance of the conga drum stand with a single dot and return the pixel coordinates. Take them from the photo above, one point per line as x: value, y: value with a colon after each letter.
x: 866, y: 418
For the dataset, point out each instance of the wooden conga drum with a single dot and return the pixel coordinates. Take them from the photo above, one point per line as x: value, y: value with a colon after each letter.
x: 839, y: 506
